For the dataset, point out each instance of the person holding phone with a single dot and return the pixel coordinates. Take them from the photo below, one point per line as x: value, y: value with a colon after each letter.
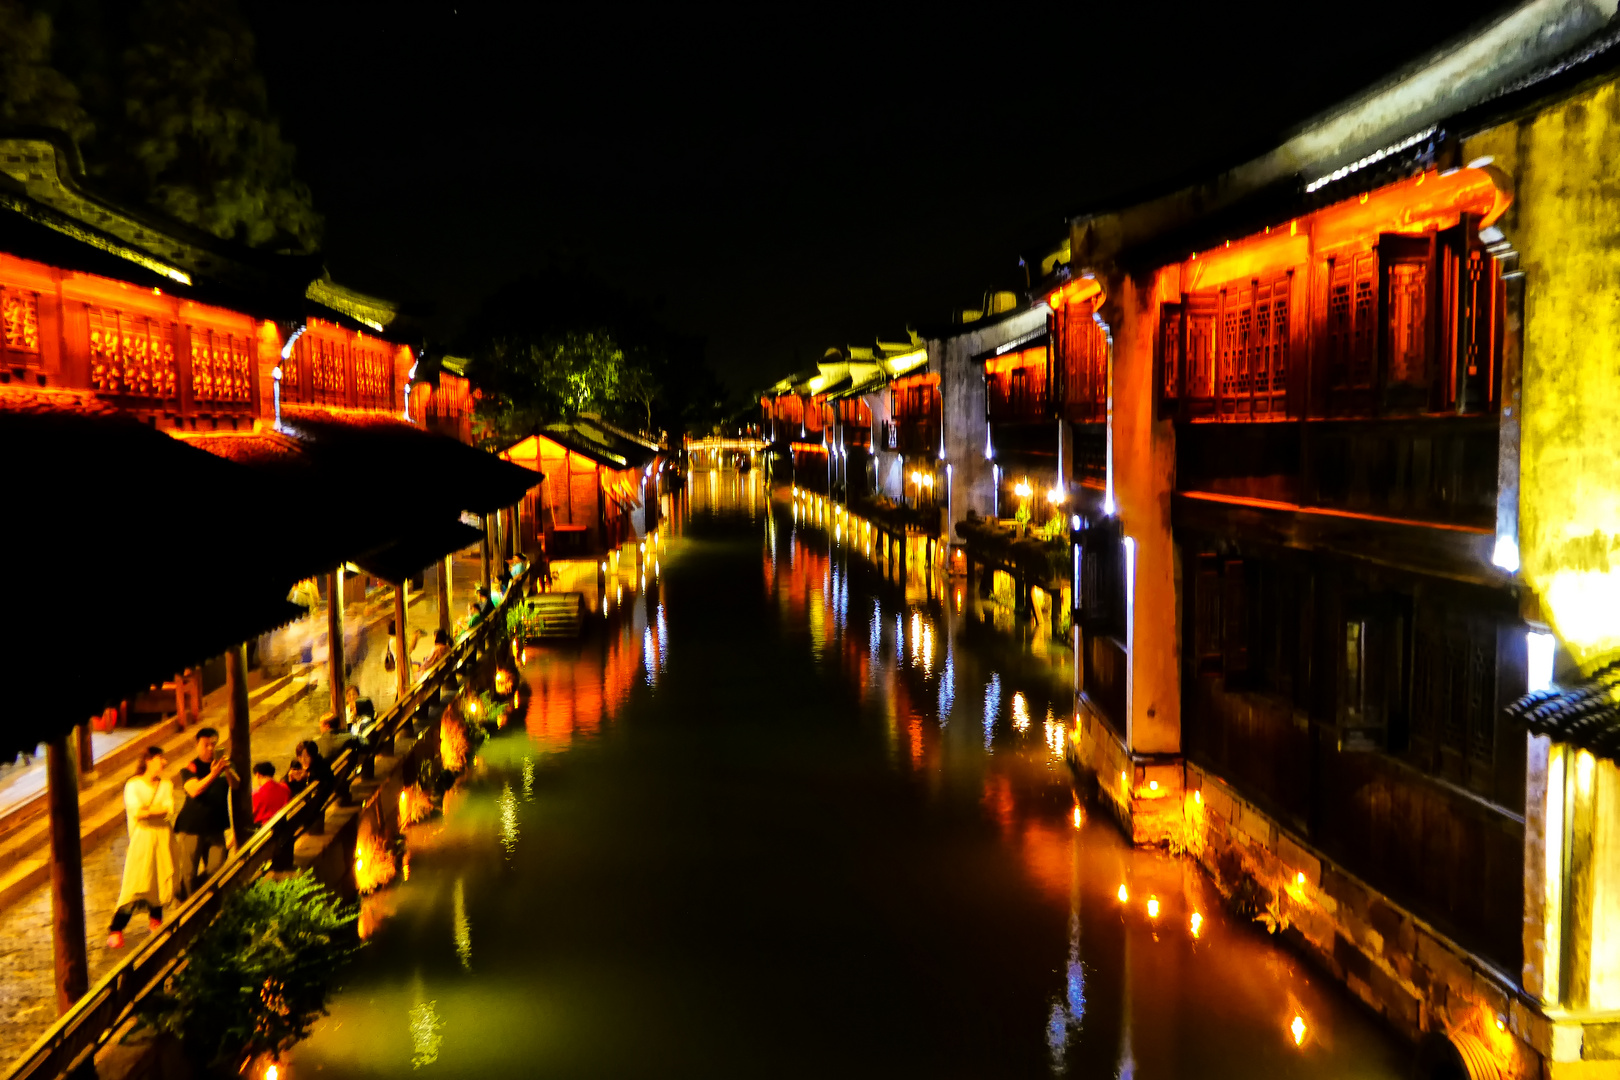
x: 199, y: 829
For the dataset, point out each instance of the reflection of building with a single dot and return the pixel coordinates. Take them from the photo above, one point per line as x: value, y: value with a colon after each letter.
x: 600, y: 482
x: 1337, y: 426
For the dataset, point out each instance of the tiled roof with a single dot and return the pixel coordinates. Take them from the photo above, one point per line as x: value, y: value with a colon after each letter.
x: 1586, y: 715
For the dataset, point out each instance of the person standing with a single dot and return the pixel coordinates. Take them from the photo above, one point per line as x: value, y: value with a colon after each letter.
x: 200, y: 826
x: 149, y: 862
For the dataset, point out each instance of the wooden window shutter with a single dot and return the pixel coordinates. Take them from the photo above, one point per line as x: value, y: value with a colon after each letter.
x: 1406, y: 299
x: 1167, y: 360
x: 1207, y: 615
x: 1200, y: 312
x: 1234, y: 618
x: 1470, y: 318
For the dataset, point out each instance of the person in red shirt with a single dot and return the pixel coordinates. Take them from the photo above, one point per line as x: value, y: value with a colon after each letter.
x: 269, y: 794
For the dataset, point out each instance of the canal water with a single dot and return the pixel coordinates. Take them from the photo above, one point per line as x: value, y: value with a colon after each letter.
x: 770, y: 819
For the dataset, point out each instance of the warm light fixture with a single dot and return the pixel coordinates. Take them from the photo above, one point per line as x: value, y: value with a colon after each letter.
x: 1196, y: 923
x: 1022, y: 489
x: 1153, y: 907
x: 1123, y: 894
x: 1055, y: 496
x: 1298, y: 1030
x: 1299, y: 878
x: 1153, y: 785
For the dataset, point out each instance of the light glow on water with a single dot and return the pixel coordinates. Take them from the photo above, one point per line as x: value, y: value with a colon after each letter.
x: 425, y: 1028
x: 461, y: 927
x: 509, y: 820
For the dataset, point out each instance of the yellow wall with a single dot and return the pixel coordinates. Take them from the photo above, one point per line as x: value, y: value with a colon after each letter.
x: 1565, y: 222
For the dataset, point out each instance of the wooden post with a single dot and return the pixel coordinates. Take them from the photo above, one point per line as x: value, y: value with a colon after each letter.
x: 334, y: 634
x: 402, y: 661
x: 241, y: 741
x: 67, y: 876
x: 445, y: 568
x: 486, y: 552
x: 87, y: 752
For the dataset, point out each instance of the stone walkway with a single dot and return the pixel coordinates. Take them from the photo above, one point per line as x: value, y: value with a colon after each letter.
x: 27, y: 992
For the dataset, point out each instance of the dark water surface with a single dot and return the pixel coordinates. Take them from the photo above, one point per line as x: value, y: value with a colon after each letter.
x: 769, y: 820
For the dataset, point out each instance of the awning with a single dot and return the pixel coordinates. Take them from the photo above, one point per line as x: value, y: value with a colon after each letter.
x: 133, y: 556
x: 407, y: 556
x: 438, y: 470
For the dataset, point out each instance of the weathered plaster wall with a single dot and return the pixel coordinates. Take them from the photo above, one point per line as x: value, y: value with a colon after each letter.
x: 961, y: 384
x: 1565, y: 222
x: 1144, y: 463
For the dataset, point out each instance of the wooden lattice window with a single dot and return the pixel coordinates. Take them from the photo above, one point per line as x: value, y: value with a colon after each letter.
x: 327, y: 370
x: 131, y: 354
x: 1078, y: 348
x: 371, y: 378
x: 1454, y: 693
x: 221, y: 366
x: 19, y: 315
x: 1351, y: 333
x: 1226, y: 351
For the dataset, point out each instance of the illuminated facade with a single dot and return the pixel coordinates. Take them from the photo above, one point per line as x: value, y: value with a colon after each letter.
x: 178, y: 329
x: 1362, y: 501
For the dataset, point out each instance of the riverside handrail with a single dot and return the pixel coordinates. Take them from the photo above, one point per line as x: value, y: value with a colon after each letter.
x: 80, y: 1031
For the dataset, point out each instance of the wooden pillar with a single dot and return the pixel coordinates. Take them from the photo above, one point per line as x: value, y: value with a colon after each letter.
x: 241, y: 741
x: 334, y: 634
x: 87, y: 753
x: 445, y: 569
x: 486, y: 551
x: 67, y: 876
x: 402, y: 658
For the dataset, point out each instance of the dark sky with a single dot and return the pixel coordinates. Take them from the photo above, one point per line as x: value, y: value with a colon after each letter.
x: 779, y: 179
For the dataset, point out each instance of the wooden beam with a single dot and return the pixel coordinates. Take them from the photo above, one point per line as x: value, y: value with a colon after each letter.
x: 85, y: 748
x: 486, y: 551
x: 334, y: 634
x: 241, y: 739
x: 402, y: 658
x: 445, y: 569
x: 67, y: 876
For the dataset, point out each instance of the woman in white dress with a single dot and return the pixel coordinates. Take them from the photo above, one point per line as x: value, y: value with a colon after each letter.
x: 149, y: 863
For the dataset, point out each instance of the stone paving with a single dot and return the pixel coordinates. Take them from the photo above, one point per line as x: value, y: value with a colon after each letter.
x: 27, y: 991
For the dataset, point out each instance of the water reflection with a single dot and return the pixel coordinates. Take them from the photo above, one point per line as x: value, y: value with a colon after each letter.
x: 756, y: 761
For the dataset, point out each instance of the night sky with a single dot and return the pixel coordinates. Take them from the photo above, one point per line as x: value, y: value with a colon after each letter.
x: 779, y: 179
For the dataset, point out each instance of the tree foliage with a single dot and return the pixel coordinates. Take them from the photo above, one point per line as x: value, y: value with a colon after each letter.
x: 168, y: 107
x: 197, y: 137
x: 32, y: 92
x: 260, y: 974
x: 560, y: 342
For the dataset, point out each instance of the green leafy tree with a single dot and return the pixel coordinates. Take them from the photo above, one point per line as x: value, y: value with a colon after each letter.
x: 32, y: 92
x: 197, y: 139
x: 260, y: 974
x: 524, y: 383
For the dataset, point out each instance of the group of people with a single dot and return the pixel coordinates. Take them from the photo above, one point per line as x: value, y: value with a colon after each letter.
x: 172, y: 853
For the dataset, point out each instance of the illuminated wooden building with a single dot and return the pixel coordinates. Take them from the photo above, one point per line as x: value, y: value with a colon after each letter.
x: 1361, y: 468
x: 119, y: 330
x: 600, y: 484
